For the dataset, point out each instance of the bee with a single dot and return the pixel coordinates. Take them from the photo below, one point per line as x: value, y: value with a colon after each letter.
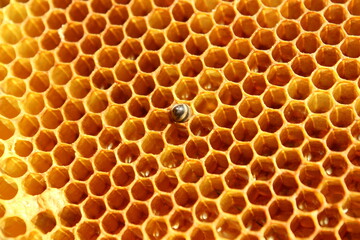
x: 180, y: 113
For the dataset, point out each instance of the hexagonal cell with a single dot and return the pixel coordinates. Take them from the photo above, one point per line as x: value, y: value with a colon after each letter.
x: 90, y: 44
x: 308, y: 201
x: 328, y: 56
x: 311, y: 21
x: 338, y: 140
x: 7, y: 129
x: 329, y: 217
x: 342, y: 116
x: 9, y: 106
x: 172, y: 157
x: 118, y: 15
x: 139, y: 106
x: 191, y: 66
x: 308, y: 43
x: 235, y: 71
x: 123, y: 175
x: 147, y: 166
x: 137, y: 213
x: 118, y: 199
x: 324, y: 78
x: 201, y: 125
x: 250, y: 107
x: 157, y: 120
x: 40, y: 161
x: 352, y: 181
x: 13, y: 227
x: 248, y: 7
x: 87, y: 146
x: 82, y: 169
x: 221, y: 139
x: 21, y: 68
x: 349, y: 229
x: 196, y: 44
x: 281, y: 210
x: 311, y: 176
x: 211, y: 187
x: 186, y: 195
x: 245, y: 130
x: 33, y: 27
x: 153, y: 40
x: 350, y: 207
x: 113, y: 222
x: 105, y: 160
x: 295, y: 112
x: 335, y: 14
x: 177, y: 32
x: 224, y: 14
x: 196, y: 148
x: 173, y: 53
x: 132, y: 233
x: 262, y: 169
x: 33, y: 103
x: 88, y: 230
x: 70, y: 215
x: 8, y: 53
x: 239, y: 48
x: 333, y: 191
x: 350, y: 47
x: 33, y: 184
x: 351, y: 26
x: 275, y: 97
x: 134, y: 129
x: 58, y: 177
x: 28, y: 126
x: 13, y: 86
x: 44, y: 221
x: 314, y: 151
x: 270, y: 121
x: 201, y: 23
x: 259, y: 61
x: 302, y: 226
x: 216, y: 163
x: 232, y: 202
x: 266, y: 144
x: 228, y: 228
x: 156, y: 227
x: 215, y: 58
x: 56, y: 19
x: 161, y: 205
x: 288, y: 159
x: 159, y: 18
x: 136, y: 27
x: 263, y: 39
x: 285, y: 184
x: 141, y: 8
x: 162, y: 98
x: 241, y: 154
x: 317, y: 126
x: 244, y: 27
x: 332, y: 34
x: 206, y: 211
x: 303, y: 65
x: 153, y: 143
x: 142, y: 190
x: 99, y: 184
x: 202, y: 232
x: 176, y: 135
x: 14, y: 167
x: 23, y: 148
x: 68, y: 132
x: 335, y: 165
x: 94, y: 208
x: 166, y: 180
x: 345, y: 93
x: 268, y: 17
x: 348, y: 69
x: 191, y: 172
x: 254, y: 84
x: 325, y: 235
x: 254, y: 219
x: 292, y: 9
x: 39, y: 82
x: 61, y: 74
x: 259, y: 194
x: 45, y: 140
x: 315, y: 5
x: 320, y: 102
x: 84, y: 66
x: 288, y: 30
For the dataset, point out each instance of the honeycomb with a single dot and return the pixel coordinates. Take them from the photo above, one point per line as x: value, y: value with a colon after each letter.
x: 88, y: 149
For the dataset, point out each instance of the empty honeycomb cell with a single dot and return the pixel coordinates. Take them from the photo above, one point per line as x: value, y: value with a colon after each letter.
x: 105, y: 160
x: 230, y: 94
x: 162, y: 98
x: 332, y: 34
x: 34, y: 184
x: 137, y: 213
x: 262, y: 169
x: 88, y: 230
x: 12, y: 34
x: 342, y: 116
x: 329, y: 217
x: 211, y: 187
x: 263, y: 39
x: 13, y: 226
x: 136, y: 27
x: 23, y: 148
x: 132, y: 233
x: 239, y: 48
x: 245, y: 130
x: 56, y: 96
x: 259, y: 194
x: 350, y: 207
x: 102, y: 79
x: 352, y: 181
x: 8, y: 53
x: 176, y: 134
x: 70, y: 215
x: 128, y: 152
x: 335, y: 14
x: 56, y: 19
x: 206, y: 211
x: 320, y: 102
x: 90, y: 44
x: 270, y: 121
x: 281, y: 210
x: 40, y: 161
x: 333, y: 191
x: 14, y: 167
x: 354, y: 8
x: 228, y: 228
x: 311, y: 176
x: 351, y: 24
x: 350, y: 47
x: 99, y: 184
x: 277, y: 231
x: 21, y: 68
x: 216, y: 163
x: 237, y: 178
x: 147, y: 166
x: 308, y: 201
x: 142, y: 190
x: 283, y: 52
x: 46, y: 140
x: 338, y: 140
x: 68, y: 132
x: 267, y: 144
x: 139, y: 106
x: 166, y: 181
x: 157, y: 120
x: 348, y: 69
x: 317, y: 126
x: 185, y: 196
x: 94, y: 208
x: 97, y: 101
x: 254, y: 219
x: 241, y: 154
x: 221, y: 139
x: 250, y: 107
x: 61, y: 74
x: 133, y: 129
x: 153, y: 40
x: 167, y: 76
x: 16, y: 12
x: 248, y: 7
x: 196, y: 44
x: 291, y: 136
x: 149, y: 62
x: 64, y: 154
x: 201, y: 23
x: 254, y: 84
x: 225, y: 117
x: 315, y: 5
x: 335, y: 165
x: 39, y: 82
x: 268, y: 17
x: 84, y: 66
x: 314, y: 151
x: 275, y: 97
x: 191, y: 66
x: 76, y: 192
x: 325, y: 235
x: 205, y: 103
x: 186, y: 89
x: 121, y: 93
x: 78, y: 11
x: 345, y: 93
x: 156, y: 228
x: 191, y: 172
x: 259, y: 61
x: 67, y: 52
x: 58, y: 177
x: 311, y: 21
x: 118, y: 199
x: 324, y: 78
x: 153, y: 143
x: 220, y: 36
x: 202, y: 232
x: 232, y: 202
x: 51, y: 119
x: 109, y: 138
x: 173, y: 54
x: 302, y: 226
x: 285, y: 184
x: 161, y: 205
x: 288, y: 30
x: 95, y: 24
x: 224, y: 14
x: 113, y: 222
x: 303, y: 65
x: 159, y: 18
x: 28, y: 47
x: 327, y: 56
x: 7, y: 129
x: 9, y: 107
x: 86, y: 146
x: 3, y: 72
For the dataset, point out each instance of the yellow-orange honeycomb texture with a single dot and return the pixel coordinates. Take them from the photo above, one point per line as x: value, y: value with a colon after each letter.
x: 88, y: 150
